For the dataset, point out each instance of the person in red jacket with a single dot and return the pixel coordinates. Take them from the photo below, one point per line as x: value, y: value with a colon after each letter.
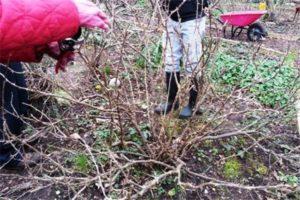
x: 44, y: 27
x: 27, y: 34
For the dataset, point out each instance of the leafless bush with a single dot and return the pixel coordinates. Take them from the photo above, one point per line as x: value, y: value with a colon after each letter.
x: 106, y: 142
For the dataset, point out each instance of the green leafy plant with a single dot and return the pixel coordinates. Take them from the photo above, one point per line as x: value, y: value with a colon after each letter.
x: 145, y: 128
x: 134, y: 136
x: 232, y: 169
x: 103, y: 159
x: 161, y: 191
x: 141, y: 3
x: 107, y: 70
x: 262, y: 169
x: 103, y: 133
x: 267, y: 80
x: 289, y: 179
x: 214, y: 151
x: 200, y: 154
x: 151, y: 56
x: 81, y: 163
x: 172, y: 192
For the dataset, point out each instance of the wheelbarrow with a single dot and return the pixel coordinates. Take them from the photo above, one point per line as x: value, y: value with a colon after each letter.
x: 244, y: 20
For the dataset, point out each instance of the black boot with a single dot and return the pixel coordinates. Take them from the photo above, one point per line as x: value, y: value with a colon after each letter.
x: 172, y: 89
x: 187, y: 111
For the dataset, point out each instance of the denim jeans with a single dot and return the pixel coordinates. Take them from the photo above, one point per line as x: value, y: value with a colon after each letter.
x: 182, y: 42
x: 13, y: 100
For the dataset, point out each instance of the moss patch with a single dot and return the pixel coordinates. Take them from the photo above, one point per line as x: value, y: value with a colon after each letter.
x: 262, y: 169
x: 232, y: 169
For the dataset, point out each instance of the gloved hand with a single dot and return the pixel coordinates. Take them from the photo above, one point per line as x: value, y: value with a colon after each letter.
x: 62, y: 57
x: 53, y: 50
x: 63, y: 60
x: 90, y: 15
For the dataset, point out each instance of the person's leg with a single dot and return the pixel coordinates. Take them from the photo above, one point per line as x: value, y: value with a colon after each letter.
x: 193, y: 33
x: 22, y: 86
x: 12, y: 98
x: 172, y: 54
x: 15, y: 98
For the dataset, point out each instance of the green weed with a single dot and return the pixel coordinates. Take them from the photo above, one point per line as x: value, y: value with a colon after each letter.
x: 103, y: 159
x: 81, y: 163
x: 262, y: 169
x: 232, y: 169
x: 103, y: 133
x: 269, y: 82
x: 141, y: 3
x: 150, y: 57
x: 289, y: 179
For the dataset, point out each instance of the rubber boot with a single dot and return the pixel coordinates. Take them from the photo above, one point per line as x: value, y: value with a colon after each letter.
x: 172, y: 89
x: 187, y: 111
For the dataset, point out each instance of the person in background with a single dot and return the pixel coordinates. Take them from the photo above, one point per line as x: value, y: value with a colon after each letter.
x: 182, y: 42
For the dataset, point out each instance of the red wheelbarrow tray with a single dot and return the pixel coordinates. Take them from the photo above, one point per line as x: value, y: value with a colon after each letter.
x: 241, y: 18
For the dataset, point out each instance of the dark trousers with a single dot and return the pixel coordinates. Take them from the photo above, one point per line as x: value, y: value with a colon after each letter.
x: 13, y: 106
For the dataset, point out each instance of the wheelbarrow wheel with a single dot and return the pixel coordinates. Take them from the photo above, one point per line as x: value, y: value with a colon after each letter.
x: 256, y: 32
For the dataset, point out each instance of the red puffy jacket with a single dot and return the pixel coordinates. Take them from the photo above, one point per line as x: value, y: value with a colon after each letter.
x: 26, y: 26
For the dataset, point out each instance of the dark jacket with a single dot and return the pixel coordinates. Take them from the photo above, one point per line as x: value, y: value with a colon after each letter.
x: 185, y: 10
